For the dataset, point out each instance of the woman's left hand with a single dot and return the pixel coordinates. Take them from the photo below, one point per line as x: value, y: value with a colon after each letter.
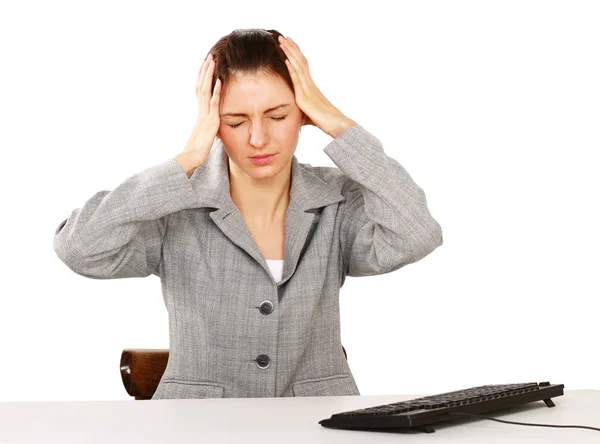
x: 318, y: 111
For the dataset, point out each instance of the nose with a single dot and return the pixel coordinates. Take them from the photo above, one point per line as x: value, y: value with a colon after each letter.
x: 258, y: 136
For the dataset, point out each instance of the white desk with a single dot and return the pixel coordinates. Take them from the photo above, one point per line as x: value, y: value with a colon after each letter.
x: 276, y: 420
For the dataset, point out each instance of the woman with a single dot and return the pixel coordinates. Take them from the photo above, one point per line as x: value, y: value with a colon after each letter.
x: 252, y: 252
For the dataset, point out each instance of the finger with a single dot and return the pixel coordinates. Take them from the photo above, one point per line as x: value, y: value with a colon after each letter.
x: 202, y: 67
x: 295, y: 49
x: 299, y: 87
x: 200, y: 77
x: 214, y: 101
x: 298, y: 61
x: 207, y: 81
x: 203, y: 70
x: 297, y: 69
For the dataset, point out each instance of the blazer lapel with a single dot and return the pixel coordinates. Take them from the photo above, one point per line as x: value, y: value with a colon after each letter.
x: 210, y: 182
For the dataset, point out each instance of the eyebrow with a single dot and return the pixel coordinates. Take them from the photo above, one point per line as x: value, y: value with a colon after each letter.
x: 246, y: 115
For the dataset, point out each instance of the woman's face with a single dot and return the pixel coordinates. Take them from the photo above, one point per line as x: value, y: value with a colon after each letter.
x: 256, y: 131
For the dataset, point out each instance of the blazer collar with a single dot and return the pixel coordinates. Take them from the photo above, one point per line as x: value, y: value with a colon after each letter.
x: 210, y: 182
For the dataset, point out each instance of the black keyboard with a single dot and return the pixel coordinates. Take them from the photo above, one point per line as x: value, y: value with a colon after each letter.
x: 419, y: 413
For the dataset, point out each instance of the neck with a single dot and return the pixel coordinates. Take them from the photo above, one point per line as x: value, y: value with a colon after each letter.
x: 261, y: 201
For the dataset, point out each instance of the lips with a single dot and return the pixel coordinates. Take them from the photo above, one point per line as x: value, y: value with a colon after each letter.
x: 261, y: 156
x: 263, y: 160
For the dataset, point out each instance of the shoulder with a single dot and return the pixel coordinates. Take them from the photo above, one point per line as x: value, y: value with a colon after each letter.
x: 332, y: 176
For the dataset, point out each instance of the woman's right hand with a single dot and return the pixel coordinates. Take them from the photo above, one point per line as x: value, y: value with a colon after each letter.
x: 207, y: 125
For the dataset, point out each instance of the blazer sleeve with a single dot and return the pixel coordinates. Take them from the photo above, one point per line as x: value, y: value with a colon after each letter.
x: 385, y: 222
x: 119, y: 233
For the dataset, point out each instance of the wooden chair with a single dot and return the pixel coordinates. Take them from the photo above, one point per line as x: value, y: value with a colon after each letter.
x: 141, y: 370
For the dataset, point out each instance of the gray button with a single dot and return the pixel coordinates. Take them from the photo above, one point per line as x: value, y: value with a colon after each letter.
x: 266, y: 307
x: 263, y: 361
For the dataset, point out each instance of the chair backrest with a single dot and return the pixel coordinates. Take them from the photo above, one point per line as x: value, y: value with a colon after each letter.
x: 142, y: 369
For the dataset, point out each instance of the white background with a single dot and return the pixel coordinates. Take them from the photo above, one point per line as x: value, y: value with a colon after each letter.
x: 492, y: 107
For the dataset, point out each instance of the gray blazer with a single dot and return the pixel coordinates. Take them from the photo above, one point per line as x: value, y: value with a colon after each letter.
x: 233, y: 330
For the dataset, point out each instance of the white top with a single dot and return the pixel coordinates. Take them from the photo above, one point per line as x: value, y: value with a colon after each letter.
x: 276, y: 267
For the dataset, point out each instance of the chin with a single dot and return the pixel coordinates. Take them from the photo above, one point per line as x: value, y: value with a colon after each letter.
x: 261, y: 172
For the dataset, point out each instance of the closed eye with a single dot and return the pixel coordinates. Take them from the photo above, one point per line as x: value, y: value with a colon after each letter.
x: 274, y: 118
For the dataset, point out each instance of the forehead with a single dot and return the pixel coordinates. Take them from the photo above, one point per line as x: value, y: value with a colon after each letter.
x: 255, y: 92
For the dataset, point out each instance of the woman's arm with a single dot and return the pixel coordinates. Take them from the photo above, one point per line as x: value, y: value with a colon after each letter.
x: 119, y: 233
x: 386, y: 223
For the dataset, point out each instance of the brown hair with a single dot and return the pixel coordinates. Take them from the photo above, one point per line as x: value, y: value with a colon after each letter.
x: 248, y: 52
